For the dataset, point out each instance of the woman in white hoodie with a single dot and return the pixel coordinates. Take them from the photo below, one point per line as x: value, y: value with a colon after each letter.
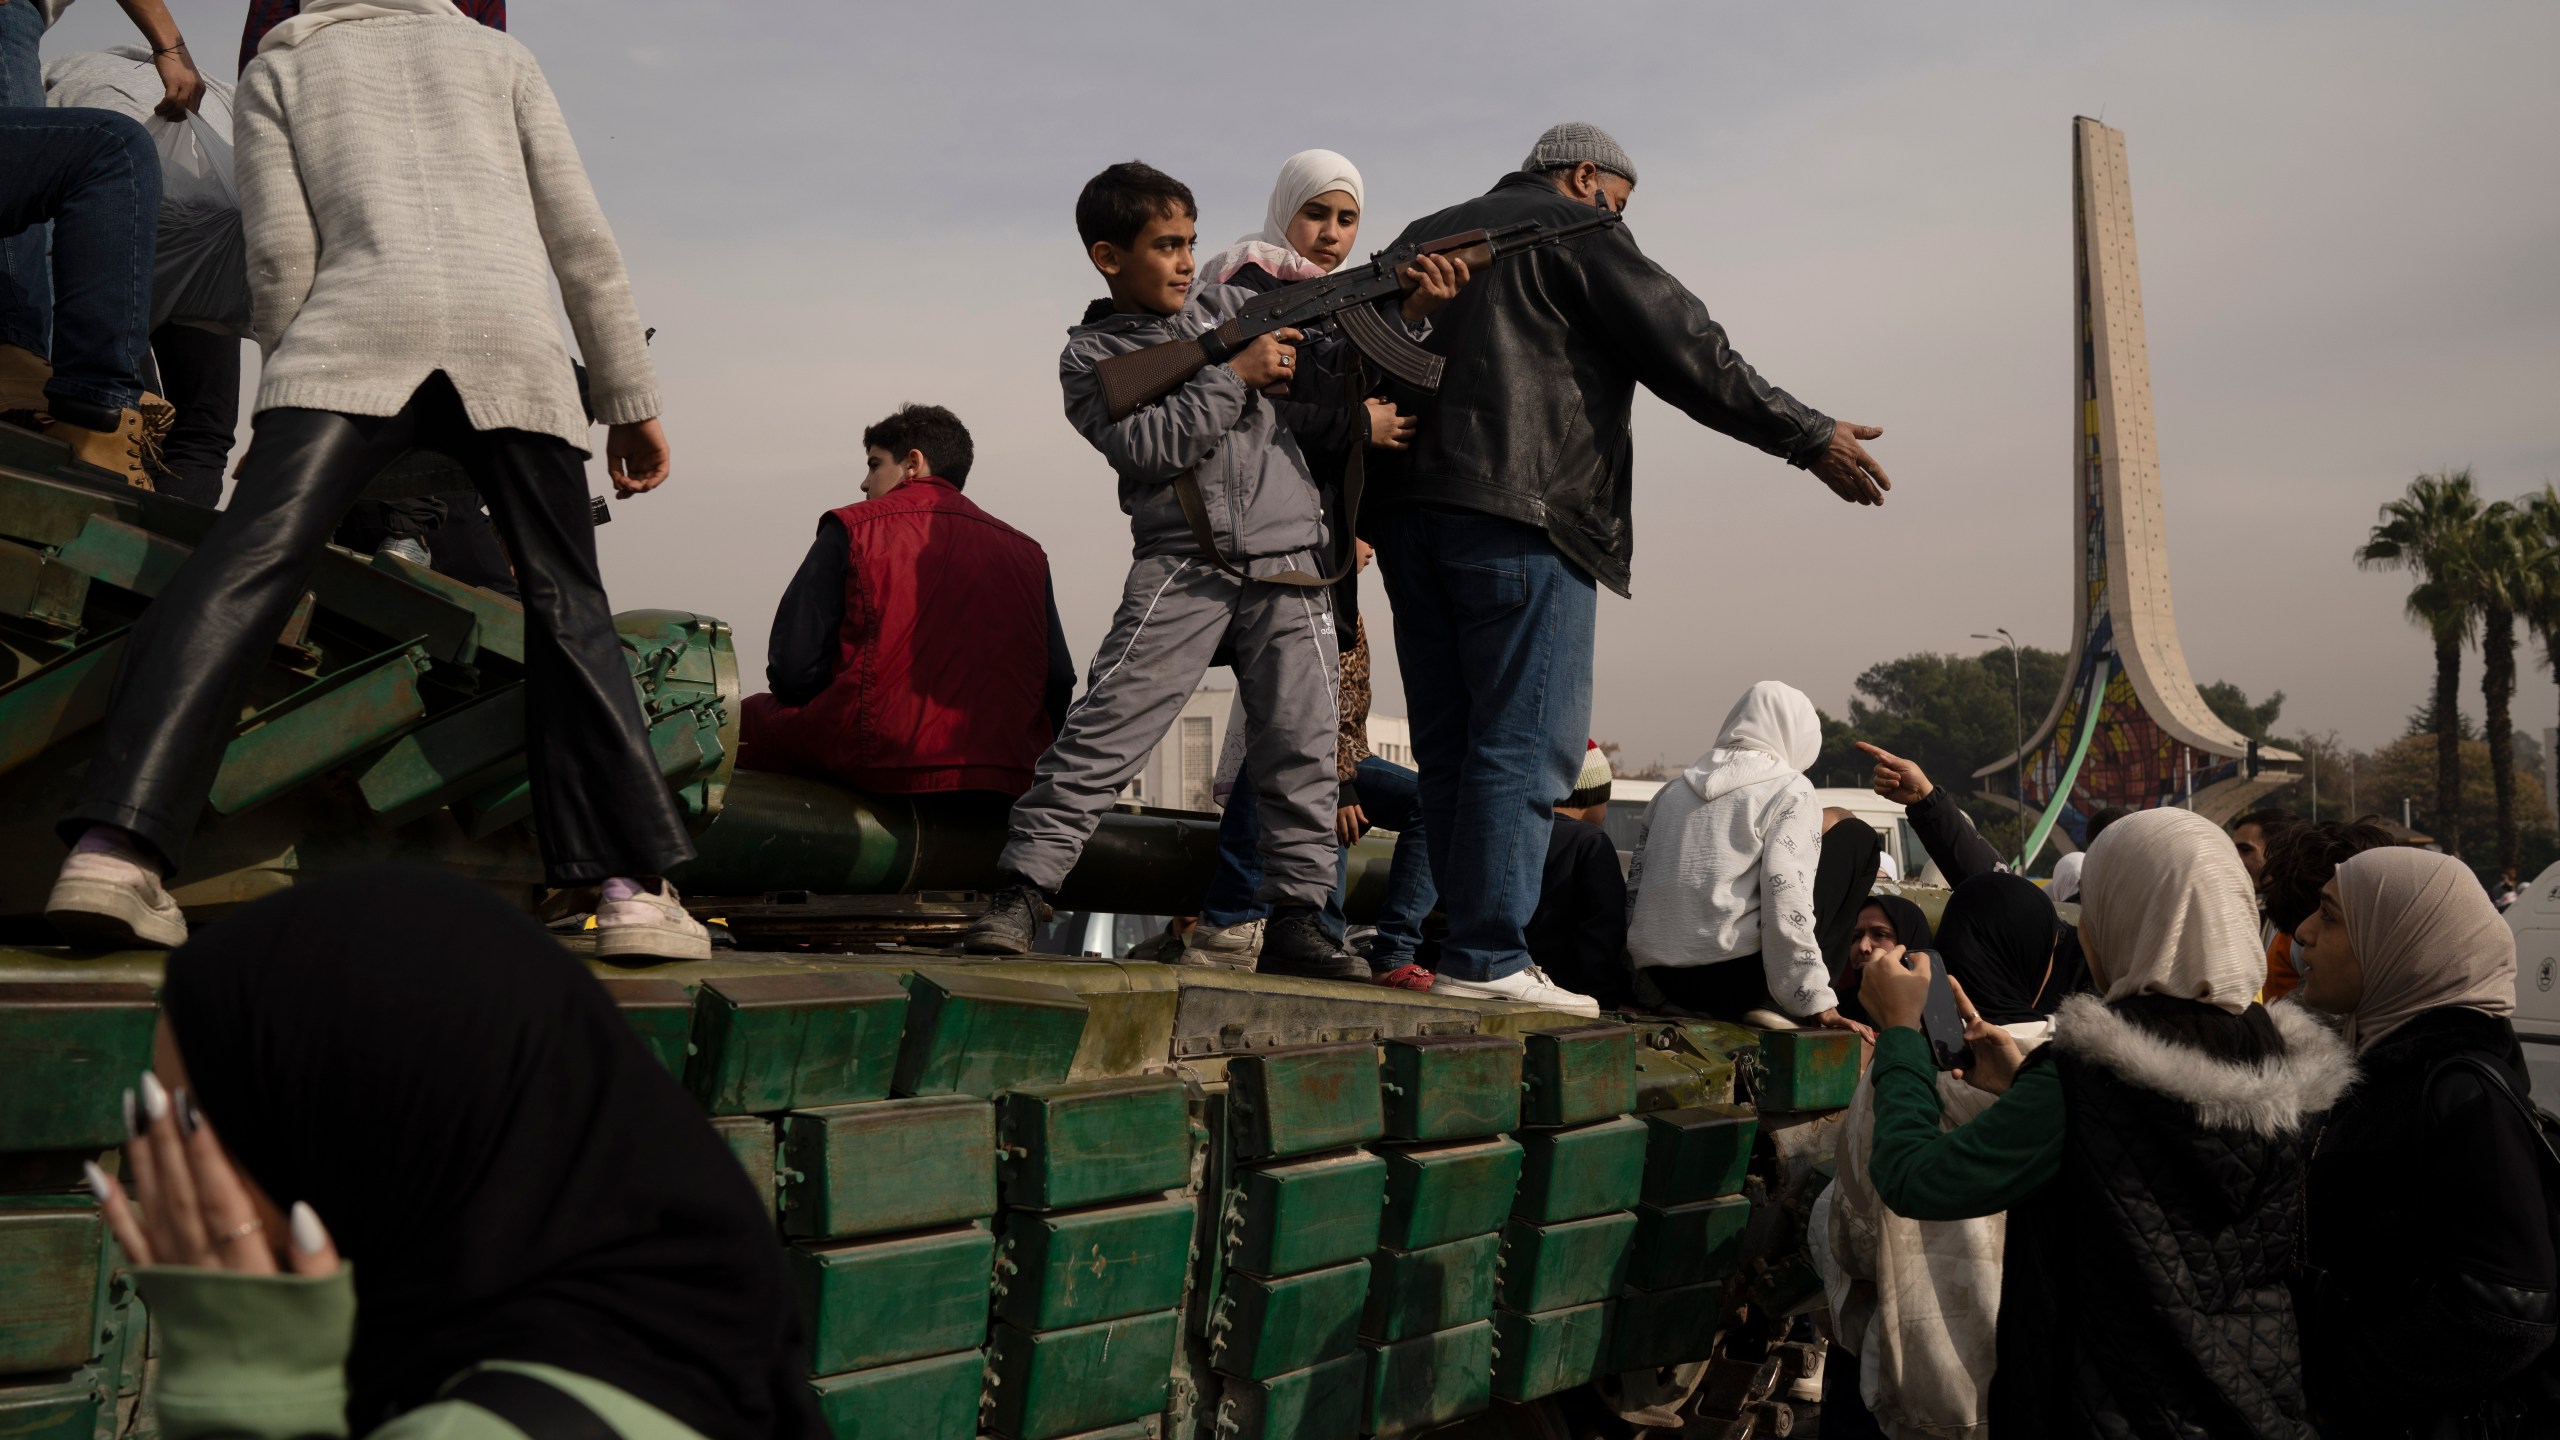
x: 1720, y: 913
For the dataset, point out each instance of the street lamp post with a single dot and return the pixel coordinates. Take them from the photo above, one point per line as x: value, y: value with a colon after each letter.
x: 2018, y: 724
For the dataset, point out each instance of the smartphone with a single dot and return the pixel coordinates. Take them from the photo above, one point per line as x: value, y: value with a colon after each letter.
x: 1940, y: 1021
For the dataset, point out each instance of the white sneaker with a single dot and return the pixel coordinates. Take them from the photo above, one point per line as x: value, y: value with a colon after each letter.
x: 107, y: 901
x: 1229, y: 947
x: 647, y: 929
x: 1527, y: 987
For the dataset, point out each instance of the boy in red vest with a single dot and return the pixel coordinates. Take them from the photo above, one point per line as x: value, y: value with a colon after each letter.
x: 918, y: 649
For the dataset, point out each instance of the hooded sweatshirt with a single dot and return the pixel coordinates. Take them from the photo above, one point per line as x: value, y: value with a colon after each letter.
x: 1724, y: 868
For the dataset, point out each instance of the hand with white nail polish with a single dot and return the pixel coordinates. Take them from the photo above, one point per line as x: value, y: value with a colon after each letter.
x: 190, y: 1206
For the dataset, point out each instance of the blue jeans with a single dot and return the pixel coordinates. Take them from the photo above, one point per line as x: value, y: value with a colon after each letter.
x: 1493, y: 635
x: 96, y: 176
x: 1389, y: 797
x: 25, y: 321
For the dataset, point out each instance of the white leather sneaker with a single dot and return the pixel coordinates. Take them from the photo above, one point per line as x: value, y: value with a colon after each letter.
x: 648, y: 929
x: 1229, y: 947
x: 1527, y: 987
x: 107, y: 901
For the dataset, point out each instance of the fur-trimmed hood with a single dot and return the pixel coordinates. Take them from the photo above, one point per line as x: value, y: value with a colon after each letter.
x: 2271, y: 1097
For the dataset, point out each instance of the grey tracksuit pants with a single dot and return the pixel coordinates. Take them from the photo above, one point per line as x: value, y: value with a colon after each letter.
x: 1174, y: 614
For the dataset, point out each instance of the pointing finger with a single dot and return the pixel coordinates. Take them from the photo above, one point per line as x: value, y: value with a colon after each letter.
x: 1878, y: 751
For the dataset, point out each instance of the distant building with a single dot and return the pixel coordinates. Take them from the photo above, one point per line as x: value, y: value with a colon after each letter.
x: 1183, y: 772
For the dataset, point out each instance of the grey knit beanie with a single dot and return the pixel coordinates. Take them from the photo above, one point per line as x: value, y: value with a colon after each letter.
x: 1569, y: 144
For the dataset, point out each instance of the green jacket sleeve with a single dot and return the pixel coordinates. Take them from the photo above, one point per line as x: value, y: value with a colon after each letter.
x: 1981, y: 1167
x: 260, y: 1356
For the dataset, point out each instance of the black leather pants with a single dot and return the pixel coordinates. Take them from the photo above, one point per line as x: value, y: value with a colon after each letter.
x: 599, y: 804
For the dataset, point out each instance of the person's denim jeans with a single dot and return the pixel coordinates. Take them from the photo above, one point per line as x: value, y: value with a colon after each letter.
x: 26, y: 283
x: 1389, y: 797
x: 96, y: 176
x: 1493, y: 635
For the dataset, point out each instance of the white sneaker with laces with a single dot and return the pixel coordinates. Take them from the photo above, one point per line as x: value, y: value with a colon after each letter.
x: 106, y: 900
x: 647, y: 929
x: 1229, y: 947
x: 1527, y: 987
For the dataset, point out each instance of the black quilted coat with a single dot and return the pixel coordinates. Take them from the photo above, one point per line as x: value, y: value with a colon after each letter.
x: 2145, y: 1290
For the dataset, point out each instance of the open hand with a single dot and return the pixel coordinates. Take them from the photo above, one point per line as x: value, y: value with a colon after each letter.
x: 636, y: 457
x: 1895, y: 992
x: 1270, y: 360
x: 1387, y: 429
x: 1349, y: 822
x: 189, y: 1207
x: 1901, y: 781
x: 1431, y: 281
x: 1832, y: 1019
x: 1848, y: 469
x: 1996, y: 1056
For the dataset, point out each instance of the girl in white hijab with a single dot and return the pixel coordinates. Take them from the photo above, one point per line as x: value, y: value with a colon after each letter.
x: 1721, y: 913
x: 1307, y: 228
x: 2428, y: 1256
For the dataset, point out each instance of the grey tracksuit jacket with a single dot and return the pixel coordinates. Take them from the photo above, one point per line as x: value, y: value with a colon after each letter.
x: 1178, y: 612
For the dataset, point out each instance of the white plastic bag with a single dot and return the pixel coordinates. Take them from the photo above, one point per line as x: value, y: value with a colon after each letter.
x: 201, y: 274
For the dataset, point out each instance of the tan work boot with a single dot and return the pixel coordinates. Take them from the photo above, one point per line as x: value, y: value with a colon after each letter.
x: 22, y: 376
x: 131, y: 450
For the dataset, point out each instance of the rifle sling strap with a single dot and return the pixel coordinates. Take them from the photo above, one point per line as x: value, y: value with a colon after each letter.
x: 1195, y: 508
x: 535, y: 1406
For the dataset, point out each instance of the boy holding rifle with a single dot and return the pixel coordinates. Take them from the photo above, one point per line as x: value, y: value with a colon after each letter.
x: 1231, y: 558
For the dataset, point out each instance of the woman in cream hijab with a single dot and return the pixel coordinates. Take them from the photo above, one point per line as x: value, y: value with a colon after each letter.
x: 2150, y: 1156
x: 2428, y: 1261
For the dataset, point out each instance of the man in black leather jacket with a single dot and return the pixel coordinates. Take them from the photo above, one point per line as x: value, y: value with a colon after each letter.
x: 1513, y: 505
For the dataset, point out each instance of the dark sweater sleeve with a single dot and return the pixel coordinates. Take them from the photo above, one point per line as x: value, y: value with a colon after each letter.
x: 1600, y: 939
x: 1060, y: 688
x: 800, y: 658
x: 1951, y: 839
x: 1981, y: 1167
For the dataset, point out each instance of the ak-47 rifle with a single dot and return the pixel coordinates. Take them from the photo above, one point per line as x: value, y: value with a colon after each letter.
x: 1347, y: 297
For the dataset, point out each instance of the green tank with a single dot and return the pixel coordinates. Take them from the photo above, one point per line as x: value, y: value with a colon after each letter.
x: 1031, y: 1198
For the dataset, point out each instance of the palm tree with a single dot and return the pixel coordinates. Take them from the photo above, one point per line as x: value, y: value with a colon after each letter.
x: 2427, y: 532
x: 2542, y: 559
x: 2502, y: 578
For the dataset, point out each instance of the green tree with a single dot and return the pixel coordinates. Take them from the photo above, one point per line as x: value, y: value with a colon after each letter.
x: 2427, y: 532
x: 2231, y: 703
x: 2502, y: 583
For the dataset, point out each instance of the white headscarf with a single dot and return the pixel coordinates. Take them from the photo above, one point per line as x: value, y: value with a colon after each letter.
x: 2426, y: 936
x: 2066, y: 877
x: 317, y: 15
x: 1772, y: 734
x: 1303, y: 177
x: 2166, y: 909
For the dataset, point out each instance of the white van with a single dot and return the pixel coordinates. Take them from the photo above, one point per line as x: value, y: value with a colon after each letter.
x: 2535, y: 917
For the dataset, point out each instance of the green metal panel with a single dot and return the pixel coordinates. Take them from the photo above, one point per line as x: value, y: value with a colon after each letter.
x: 1302, y: 1099
x: 1665, y: 1327
x: 1088, y: 1141
x: 1321, y: 1402
x: 1450, y: 1087
x: 974, y: 1035
x: 660, y: 1011
x: 1674, y: 1079
x: 49, y: 1274
x: 58, y: 700
x: 36, y: 587
x: 1578, y: 1073
x: 1688, y: 1244
x: 1697, y: 1154
x: 501, y: 620
x: 1414, y: 1292
x: 1265, y: 1327
x: 1540, y: 1355
x: 1073, y: 1267
x: 778, y: 1042
x: 67, y: 1408
x: 391, y: 607
x: 1567, y: 1174
x: 1571, y: 1262
x: 124, y: 555
x: 72, y: 1050
x: 1057, y: 1382
x: 893, y: 1165
x: 1440, y: 1193
x: 877, y: 1302
x: 325, y: 725
x: 753, y: 1139
x: 1305, y: 1214
x: 935, y: 1399
x: 1429, y: 1380
x: 458, y: 754
x: 1808, y: 1069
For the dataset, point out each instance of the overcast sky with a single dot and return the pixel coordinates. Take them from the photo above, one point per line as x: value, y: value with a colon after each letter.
x: 2347, y: 224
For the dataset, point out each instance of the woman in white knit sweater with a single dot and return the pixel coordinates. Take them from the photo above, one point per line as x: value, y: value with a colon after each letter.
x: 408, y: 192
x: 1720, y: 908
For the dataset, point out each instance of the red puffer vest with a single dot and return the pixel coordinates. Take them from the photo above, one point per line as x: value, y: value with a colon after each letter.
x: 941, y: 660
